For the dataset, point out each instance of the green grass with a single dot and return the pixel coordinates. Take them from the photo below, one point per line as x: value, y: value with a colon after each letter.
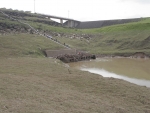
x: 24, y: 45
x: 124, y: 39
x: 144, y: 24
x: 45, y: 27
x: 119, y: 43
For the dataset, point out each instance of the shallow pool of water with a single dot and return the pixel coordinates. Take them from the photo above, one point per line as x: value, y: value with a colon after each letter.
x: 136, y: 71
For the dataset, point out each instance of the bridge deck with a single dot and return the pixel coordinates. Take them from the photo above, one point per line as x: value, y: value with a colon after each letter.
x: 56, y: 17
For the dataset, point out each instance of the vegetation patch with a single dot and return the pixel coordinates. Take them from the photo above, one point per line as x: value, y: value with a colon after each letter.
x: 21, y: 45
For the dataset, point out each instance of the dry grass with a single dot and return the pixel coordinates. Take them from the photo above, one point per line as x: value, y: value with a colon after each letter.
x: 44, y: 85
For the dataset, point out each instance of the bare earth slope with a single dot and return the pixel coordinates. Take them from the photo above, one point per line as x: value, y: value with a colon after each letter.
x: 35, y: 85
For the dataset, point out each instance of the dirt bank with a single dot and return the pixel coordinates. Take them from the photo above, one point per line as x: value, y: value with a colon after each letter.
x: 131, y: 55
x: 46, y: 85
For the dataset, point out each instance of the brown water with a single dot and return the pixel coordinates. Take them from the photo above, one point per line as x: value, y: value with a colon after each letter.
x: 133, y: 70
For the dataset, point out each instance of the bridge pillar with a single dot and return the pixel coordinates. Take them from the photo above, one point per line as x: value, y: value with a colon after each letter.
x: 71, y: 23
x: 61, y: 21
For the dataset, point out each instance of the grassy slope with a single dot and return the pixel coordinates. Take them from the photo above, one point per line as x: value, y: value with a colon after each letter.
x: 30, y: 83
x: 21, y: 45
x: 118, y: 39
x: 124, y: 39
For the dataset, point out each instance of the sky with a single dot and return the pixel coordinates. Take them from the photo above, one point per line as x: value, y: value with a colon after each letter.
x: 83, y: 10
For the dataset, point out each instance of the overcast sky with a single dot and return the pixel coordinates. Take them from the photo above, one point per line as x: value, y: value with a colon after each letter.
x: 84, y: 10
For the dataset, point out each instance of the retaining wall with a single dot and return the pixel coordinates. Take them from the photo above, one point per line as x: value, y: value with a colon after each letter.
x: 55, y: 53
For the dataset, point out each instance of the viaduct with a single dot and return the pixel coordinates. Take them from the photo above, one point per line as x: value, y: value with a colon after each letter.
x: 69, y: 22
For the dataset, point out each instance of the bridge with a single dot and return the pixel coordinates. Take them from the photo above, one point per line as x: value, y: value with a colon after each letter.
x: 69, y: 22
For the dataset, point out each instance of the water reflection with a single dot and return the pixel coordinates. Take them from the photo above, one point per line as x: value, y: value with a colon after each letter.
x: 133, y: 70
x: 105, y: 73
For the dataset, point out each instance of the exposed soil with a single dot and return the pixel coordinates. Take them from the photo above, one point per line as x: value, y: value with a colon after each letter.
x: 38, y: 85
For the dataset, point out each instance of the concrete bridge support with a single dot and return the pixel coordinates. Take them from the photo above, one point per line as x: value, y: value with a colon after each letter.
x: 61, y: 21
x: 71, y: 23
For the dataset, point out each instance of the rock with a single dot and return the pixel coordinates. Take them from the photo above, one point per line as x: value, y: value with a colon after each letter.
x: 66, y: 58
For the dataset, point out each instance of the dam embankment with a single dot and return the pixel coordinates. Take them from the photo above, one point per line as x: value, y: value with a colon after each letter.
x: 103, y: 23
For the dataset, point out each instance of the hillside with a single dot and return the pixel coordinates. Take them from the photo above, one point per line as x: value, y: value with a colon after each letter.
x: 122, y: 39
x: 32, y: 83
x: 25, y: 45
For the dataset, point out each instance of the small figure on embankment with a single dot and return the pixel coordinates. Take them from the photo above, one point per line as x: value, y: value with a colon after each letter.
x: 75, y: 57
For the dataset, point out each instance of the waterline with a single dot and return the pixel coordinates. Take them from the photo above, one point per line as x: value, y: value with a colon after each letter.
x: 105, y: 73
